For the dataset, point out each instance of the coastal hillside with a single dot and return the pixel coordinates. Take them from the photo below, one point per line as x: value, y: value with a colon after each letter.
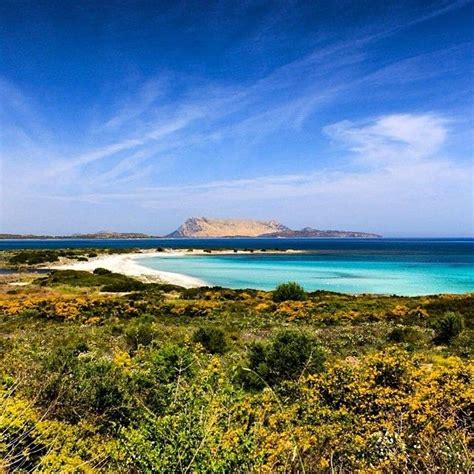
x: 308, y: 232
x: 205, y: 227
x: 94, y: 235
x: 112, y: 235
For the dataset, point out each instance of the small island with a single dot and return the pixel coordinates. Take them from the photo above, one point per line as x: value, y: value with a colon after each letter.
x: 204, y: 227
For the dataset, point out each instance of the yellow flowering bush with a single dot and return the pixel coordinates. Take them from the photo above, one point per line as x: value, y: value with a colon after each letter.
x: 154, y: 382
x: 31, y: 442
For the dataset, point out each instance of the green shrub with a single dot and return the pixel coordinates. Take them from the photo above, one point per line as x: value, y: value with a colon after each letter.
x: 404, y: 334
x: 286, y: 357
x: 33, y: 257
x: 101, y: 271
x: 289, y: 291
x: 170, y: 362
x: 448, y: 327
x: 212, y: 339
x: 164, y: 287
x: 139, y: 334
x: 30, y: 313
x: 78, y: 384
x: 124, y: 286
x: 113, y: 282
x: 462, y: 304
x: 463, y: 344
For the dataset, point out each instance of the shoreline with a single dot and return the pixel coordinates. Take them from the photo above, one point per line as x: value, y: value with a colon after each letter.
x: 129, y: 264
x: 126, y: 264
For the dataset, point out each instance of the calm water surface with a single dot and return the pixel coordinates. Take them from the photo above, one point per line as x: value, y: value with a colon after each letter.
x: 401, y: 266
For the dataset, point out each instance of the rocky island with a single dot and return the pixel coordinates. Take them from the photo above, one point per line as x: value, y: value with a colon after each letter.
x: 205, y: 227
x: 196, y: 227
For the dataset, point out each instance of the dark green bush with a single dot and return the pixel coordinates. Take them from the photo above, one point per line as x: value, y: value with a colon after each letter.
x: 78, y: 384
x: 139, y: 334
x: 448, y: 327
x: 124, y: 286
x: 169, y: 362
x: 212, y: 339
x: 162, y: 370
x: 286, y: 357
x: 33, y: 257
x: 102, y: 390
x: 113, y: 282
x: 30, y: 313
x: 463, y: 304
x: 404, y: 334
x: 289, y: 291
x: 101, y: 271
x: 463, y: 344
x: 163, y: 287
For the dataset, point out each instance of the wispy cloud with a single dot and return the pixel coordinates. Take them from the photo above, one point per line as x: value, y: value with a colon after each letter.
x: 136, y: 105
x: 282, y: 99
x: 395, y: 149
x: 397, y: 138
x: 195, y: 120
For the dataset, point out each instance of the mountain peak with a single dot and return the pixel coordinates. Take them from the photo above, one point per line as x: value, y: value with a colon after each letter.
x: 207, y: 227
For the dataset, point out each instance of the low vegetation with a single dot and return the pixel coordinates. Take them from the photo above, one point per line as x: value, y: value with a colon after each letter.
x: 164, y: 379
x: 288, y: 356
x: 212, y: 339
x: 105, y: 279
x: 289, y: 291
x: 28, y: 258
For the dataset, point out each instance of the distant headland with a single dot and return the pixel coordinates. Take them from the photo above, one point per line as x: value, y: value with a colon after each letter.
x: 204, y: 227
x: 95, y: 235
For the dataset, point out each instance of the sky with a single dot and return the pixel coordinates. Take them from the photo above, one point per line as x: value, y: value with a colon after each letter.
x: 132, y: 116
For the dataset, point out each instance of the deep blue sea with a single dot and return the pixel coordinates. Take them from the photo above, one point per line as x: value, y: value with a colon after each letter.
x: 388, y: 266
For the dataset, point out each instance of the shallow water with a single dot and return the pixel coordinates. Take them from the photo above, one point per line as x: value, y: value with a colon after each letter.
x: 399, y: 271
x: 401, y: 266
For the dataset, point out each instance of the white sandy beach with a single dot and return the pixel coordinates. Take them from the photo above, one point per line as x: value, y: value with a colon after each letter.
x: 128, y: 264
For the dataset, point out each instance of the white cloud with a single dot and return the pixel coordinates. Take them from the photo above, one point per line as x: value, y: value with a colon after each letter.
x: 392, y: 138
x: 406, y: 184
x: 137, y: 104
x: 403, y: 163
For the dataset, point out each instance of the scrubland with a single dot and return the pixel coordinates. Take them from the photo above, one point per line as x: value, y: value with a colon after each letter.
x: 101, y: 373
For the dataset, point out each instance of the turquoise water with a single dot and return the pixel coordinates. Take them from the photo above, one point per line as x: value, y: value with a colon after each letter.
x: 401, y: 266
x: 343, y: 272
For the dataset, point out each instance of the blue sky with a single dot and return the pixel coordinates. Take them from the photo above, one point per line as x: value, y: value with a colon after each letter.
x: 133, y: 115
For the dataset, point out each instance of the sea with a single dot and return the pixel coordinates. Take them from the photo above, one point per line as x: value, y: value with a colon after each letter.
x: 382, y: 266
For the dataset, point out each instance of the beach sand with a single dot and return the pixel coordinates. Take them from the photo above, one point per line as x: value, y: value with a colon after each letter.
x: 127, y: 264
